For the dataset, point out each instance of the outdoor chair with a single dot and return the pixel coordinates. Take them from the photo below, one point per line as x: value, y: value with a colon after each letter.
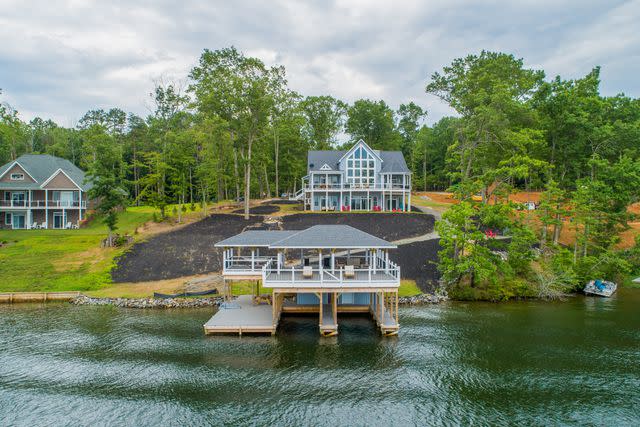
x: 68, y: 226
x: 35, y: 226
x: 43, y: 226
x: 349, y: 271
x: 307, y: 272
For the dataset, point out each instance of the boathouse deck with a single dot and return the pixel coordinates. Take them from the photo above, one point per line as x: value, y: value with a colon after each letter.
x: 243, y: 317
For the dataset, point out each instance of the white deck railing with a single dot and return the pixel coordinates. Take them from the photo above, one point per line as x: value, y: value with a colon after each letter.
x: 243, y: 264
x: 297, y: 277
x: 42, y: 204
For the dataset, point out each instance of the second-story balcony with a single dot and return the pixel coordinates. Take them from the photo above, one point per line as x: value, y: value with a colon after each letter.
x: 350, y: 186
x: 42, y: 204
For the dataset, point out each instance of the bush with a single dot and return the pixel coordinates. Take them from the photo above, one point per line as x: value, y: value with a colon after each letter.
x: 192, y: 207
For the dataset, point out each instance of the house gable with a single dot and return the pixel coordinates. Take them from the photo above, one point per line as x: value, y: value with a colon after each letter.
x: 60, y: 181
x: 325, y: 167
x: 16, y: 168
x: 357, y: 145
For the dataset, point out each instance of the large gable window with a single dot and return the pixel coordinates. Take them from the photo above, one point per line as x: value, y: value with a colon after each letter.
x: 17, y: 177
x: 361, y: 168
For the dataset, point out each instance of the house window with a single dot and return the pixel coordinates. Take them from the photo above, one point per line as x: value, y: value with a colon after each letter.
x: 7, y: 218
x: 361, y: 172
x: 17, y: 177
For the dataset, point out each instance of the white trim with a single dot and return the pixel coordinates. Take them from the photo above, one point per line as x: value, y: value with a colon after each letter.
x: 21, y: 167
x: 325, y: 167
x: 17, y: 174
x: 357, y: 144
x: 56, y: 173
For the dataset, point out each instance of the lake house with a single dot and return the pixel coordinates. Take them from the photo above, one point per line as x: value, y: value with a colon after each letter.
x: 325, y: 269
x: 360, y: 178
x: 42, y: 191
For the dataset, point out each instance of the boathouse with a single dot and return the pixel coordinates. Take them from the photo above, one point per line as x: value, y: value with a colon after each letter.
x: 325, y: 269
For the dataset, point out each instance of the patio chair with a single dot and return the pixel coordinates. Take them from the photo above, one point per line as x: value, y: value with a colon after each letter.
x: 68, y: 226
x: 349, y: 271
x: 43, y: 226
x: 35, y: 225
x: 307, y: 272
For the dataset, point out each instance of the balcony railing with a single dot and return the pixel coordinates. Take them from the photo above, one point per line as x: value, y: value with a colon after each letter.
x: 349, y: 186
x: 41, y: 204
x: 300, y: 277
x: 243, y: 264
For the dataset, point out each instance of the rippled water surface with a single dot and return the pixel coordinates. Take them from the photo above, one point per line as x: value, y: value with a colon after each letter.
x: 575, y: 362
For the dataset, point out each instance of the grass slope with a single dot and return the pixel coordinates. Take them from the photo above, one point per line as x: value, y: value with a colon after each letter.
x: 60, y: 260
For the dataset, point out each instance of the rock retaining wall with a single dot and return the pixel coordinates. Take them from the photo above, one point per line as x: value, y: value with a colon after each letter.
x: 214, y: 302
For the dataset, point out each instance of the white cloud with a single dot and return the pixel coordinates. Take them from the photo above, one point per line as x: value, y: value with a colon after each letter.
x: 59, y: 60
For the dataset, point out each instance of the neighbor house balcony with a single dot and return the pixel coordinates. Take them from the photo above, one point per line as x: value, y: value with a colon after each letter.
x: 42, y: 204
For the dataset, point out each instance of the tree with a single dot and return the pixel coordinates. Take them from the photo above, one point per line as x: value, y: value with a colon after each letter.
x: 240, y: 90
x: 374, y: 122
x: 497, y: 132
x: 106, y: 181
x: 410, y: 118
x: 324, y: 120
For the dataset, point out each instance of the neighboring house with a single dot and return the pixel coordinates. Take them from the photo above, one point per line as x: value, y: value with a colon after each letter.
x: 42, y: 191
x: 358, y: 179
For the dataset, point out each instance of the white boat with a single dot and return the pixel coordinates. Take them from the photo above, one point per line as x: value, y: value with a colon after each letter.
x: 600, y: 287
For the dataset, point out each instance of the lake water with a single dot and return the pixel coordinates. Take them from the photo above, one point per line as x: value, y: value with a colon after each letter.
x: 574, y: 362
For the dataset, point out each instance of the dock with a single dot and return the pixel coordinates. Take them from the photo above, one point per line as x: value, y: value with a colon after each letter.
x: 242, y: 316
x: 15, y: 297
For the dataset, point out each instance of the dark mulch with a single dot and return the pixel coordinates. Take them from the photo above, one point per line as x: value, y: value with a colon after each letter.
x: 286, y: 202
x: 388, y: 226
x: 416, y: 261
x: 183, y: 252
x: 260, y: 210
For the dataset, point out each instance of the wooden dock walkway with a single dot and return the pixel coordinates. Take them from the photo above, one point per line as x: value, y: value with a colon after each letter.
x: 15, y: 297
x: 244, y: 318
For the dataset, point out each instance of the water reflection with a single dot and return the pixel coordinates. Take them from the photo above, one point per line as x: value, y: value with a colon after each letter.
x: 457, y: 363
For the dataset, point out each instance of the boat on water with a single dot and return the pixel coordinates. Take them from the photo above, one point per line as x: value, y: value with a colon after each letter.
x: 601, y: 288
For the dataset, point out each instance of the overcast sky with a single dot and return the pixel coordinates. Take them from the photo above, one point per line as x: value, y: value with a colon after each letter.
x: 59, y: 59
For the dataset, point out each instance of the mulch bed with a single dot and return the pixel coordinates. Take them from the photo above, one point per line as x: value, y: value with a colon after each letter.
x: 416, y: 261
x: 190, y: 250
x: 286, y: 202
x: 267, y: 209
x: 183, y: 252
x: 388, y: 226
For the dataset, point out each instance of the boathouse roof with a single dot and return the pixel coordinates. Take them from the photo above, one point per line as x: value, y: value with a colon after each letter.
x: 255, y: 238
x: 316, y: 237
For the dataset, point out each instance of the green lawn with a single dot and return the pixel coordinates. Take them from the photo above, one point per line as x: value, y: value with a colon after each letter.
x: 60, y: 260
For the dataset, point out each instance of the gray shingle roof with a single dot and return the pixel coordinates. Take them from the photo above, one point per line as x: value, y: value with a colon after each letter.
x: 316, y: 237
x: 41, y: 167
x: 255, y: 238
x: 392, y: 161
x: 332, y: 236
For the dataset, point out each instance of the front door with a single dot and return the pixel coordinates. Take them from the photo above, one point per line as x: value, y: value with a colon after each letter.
x: 18, y: 221
x: 59, y: 220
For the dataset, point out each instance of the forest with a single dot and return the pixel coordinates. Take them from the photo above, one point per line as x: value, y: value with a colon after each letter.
x: 236, y: 130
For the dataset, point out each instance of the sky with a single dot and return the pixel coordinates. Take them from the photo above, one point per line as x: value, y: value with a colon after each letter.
x: 59, y: 59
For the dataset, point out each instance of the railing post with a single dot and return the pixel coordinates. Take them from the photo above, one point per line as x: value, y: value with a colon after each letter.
x: 292, y: 275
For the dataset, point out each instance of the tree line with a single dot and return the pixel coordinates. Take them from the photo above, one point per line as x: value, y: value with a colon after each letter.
x: 236, y: 130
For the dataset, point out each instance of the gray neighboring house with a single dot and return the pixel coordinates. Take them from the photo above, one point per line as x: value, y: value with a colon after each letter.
x: 360, y: 178
x: 42, y: 191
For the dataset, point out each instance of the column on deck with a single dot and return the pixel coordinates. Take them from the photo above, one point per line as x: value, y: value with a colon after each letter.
x: 46, y: 208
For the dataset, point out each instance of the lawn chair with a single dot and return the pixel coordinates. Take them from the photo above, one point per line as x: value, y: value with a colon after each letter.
x: 68, y: 226
x: 35, y: 225
x: 307, y: 272
x: 349, y: 271
x: 43, y: 225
